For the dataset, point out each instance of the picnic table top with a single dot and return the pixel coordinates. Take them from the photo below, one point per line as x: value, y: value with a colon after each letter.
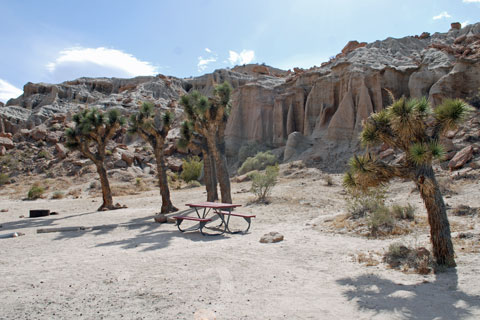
x: 213, y: 205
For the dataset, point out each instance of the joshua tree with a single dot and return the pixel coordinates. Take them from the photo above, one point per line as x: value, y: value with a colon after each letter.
x: 154, y: 128
x: 192, y: 140
x: 208, y: 118
x: 410, y: 127
x: 93, y: 129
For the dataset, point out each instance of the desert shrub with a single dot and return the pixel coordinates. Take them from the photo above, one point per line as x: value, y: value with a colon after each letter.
x: 191, y: 169
x: 4, y: 179
x: 360, y: 203
x: 400, y: 256
x: 380, y: 219
x: 249, y: 150
x: 173, y: 180
x: 35, y: 192
x: 262, y: 183
x: 403, y: 212
x: 44, y: 154
x: 58, y: 195
x: 259, y: 162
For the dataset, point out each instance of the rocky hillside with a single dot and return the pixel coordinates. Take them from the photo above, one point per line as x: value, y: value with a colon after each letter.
x: 314, y: 114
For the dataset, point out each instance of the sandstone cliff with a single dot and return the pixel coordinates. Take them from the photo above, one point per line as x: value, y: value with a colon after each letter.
x: 326, y: 104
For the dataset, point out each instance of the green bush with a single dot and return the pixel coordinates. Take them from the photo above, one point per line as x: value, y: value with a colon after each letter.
x: 259, y: 162
x: 191, y: 169
x: 35, y: 192
x: 44, y: 154
x: 362, y: 203
x: 262, y: 183
x: 249, y: 150
x: 4, y: 179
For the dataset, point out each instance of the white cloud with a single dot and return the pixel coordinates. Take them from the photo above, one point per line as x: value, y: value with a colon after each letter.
x: 471, y: 1
x: 442, y: 15
x: 203, y: 62
x: 8, y: 91
x: 244, y: 57
x: 97, y: 62
x: 464, y: 23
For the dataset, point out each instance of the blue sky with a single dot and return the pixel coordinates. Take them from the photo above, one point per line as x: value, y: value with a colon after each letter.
x: 54, y: 41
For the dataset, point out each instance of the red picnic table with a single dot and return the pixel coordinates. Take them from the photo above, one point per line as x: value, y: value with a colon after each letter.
x: 223, y: 210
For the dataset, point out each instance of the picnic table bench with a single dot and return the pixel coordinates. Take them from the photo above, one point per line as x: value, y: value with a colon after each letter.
x: 221, y: 210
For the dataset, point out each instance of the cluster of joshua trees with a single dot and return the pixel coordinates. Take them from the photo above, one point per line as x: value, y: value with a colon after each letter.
x: 203, y: 131
x: 408, y: 126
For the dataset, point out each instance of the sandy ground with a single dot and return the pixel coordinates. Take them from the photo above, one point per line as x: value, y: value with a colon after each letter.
x: 145, y: 270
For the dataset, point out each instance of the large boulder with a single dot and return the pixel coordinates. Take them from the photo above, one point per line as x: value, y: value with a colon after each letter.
x: 7, y: 143
x: 296, y: 144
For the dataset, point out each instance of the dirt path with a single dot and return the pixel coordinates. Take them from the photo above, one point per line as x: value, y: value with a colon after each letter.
x: 144, y: 270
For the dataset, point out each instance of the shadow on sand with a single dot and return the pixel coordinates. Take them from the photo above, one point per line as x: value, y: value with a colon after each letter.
x: 149, y: 235
x: 440, y: 299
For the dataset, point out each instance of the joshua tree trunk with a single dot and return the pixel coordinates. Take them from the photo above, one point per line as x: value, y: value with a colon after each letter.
x: 167, y: 205
x: 106, y: 191
x: 437, y: 217
x: 209, y: 177
x: 222, y: 172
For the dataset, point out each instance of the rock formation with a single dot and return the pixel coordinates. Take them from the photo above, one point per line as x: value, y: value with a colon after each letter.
x: 327, y: 104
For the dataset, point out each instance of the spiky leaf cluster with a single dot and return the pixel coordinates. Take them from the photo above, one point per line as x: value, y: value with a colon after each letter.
x: 149, y: 123
x: 93, y: 125
x: 409, y: 126
x: 202, y: 109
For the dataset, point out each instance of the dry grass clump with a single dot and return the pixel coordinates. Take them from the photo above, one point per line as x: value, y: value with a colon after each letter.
x: 464, y: 210
x: 119, y: 190
x: 58, y: 195
x: 141, y: 185
x: 369, y: 216
x: 74, y: 193
x: 368, y: 260
x: 399, y: 256
x: 328, y: 180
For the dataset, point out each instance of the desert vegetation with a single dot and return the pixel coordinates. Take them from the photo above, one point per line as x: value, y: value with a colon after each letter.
x: 96, y: 128
x: 153, y: 127
x: 411, y: 127
x: 208, y: 119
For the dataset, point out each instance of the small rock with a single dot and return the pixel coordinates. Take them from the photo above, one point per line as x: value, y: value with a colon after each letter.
x: 61, y: 151
x: 456, y: 25
x: 462, y: 157
x: 4, y: 210
x: 120, y: 164
x: 39, y: 133
x: 161, y: 218
x: 127, y: 156
x: 271, y: 237
x: 204, y: 314
x: 175, y: 164
x: 243, y: 178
